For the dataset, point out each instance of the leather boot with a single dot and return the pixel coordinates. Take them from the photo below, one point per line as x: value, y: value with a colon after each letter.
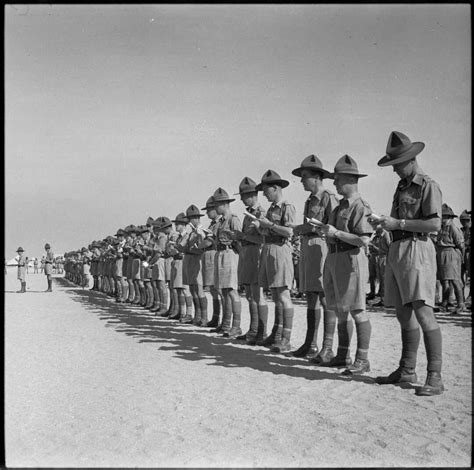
x: 433, y: 385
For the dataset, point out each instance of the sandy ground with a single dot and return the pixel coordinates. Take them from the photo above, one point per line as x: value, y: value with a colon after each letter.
x: 89, y: 383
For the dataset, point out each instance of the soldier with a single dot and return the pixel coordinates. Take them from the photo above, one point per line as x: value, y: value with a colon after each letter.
x: 410, y: 275
x: 48, y: 267
x: 465, y: 219
x: 346, y: 269
x: 184, y: 305
x: 43, y: 259
x: 125, y: 255
x: 192, y: 263
x: 86, y: 267
x: 379, y: 246
x: 450, y: 244
x: 225, y: 265
x: 162, y: 227
x: 35, y: 266
x: 118, y: 264
x: 249, y: 261
x: 145, y: 270
x: 276, y: 266
x: 208, y: 245
x: 129, y: 251
x: 21, y: 263
x: 314, y: 249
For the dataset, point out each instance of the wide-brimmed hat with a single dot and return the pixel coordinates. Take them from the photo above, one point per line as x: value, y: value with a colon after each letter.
x: 400, y: 149
x: 193, y: 211
x: 132, y: 229
x: 83, y: 249
x: 180, y: 219
x: 210, y: 204
x: 142, y: 229
x: 271, y: 177
x: 47, y: 246
x: 149, y: 221
x: 447, y: 211
x: 346, y: 165
x: 247, y: 185
x: 20, y: 249
x: 313, y: 163
x: 120, y: 232
x: 221, y: 195
x: 465, y: 215
x: 161, y: 223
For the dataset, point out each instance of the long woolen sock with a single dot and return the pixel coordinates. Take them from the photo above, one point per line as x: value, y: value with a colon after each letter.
x: 410, y: 343
x: 433, y: 346
x: 364, y: 330
x: 236, y: 313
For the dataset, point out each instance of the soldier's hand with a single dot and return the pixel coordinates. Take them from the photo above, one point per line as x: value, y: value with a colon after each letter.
x: 389, y: 223
x: 264, y: 222
x: 328, y: 230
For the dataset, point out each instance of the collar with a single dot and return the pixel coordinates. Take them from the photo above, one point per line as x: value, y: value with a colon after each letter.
x: 417, y: 178
x: 350, y: 200
x: 278, y: 204
x: 318, y: 195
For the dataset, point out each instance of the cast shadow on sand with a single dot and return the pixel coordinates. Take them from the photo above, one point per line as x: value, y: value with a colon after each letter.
x: 194, y: 343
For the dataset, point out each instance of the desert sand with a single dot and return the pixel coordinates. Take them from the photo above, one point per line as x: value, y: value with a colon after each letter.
x: 92, y: 383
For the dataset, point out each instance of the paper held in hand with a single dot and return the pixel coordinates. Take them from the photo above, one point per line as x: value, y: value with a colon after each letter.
x: 145, y: 264
x: 375, y: 217
x: 250, y: 215
x: 315, y: 222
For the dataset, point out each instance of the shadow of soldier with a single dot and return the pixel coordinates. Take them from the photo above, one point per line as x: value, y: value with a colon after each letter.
x: 192, y: 343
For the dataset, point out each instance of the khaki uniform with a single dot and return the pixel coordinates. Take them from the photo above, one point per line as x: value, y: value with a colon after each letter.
x: 346, y: 271
x: 276, y: 266
x: 227, y: 256
x: 249, y: 256
x: 21, y: 273
x: 411, y: 263
x: 314, y: 249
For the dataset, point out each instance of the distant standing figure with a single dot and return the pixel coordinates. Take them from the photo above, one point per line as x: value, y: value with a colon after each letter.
x: 48, y: 266
x: 35, y: 266
x: 43, y: 259
x: 22, y: 262
x: 27, y: 265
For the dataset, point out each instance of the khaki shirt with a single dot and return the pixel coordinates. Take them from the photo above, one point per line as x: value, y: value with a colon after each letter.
x: 320, y: 206
x: 450, y: 236
x: 418, y: 198
x: 250, y: 230
x: 352, y: 216
x: 280, y: 213
x: 231, y: 222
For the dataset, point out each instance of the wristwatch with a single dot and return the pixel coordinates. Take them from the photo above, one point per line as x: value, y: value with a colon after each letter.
x: 402, y: 224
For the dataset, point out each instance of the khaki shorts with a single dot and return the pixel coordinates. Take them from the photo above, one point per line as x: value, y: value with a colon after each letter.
x: 118, y: 267
x: 158, y: 270
x: 225, y: 269
x: 249, y: 262
x: 207, y: 267
x: 345, y: 279
x: 313, y: 255
x: 136, y: 265
x: 276, y: 266
x: 192, y: 274
x: 410, y: 273
x: 168, y: 262
x: 177, y: 274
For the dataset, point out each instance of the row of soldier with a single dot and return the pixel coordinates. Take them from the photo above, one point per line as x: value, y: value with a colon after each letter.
x: 136, y: 265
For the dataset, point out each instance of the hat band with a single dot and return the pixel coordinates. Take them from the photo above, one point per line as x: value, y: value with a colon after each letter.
x: 399, y: 153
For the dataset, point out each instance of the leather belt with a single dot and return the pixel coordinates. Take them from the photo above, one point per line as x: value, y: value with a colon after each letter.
x: 247, y: 243
x: 210, y: 248
x: 403, y: 235
x: 222, y: 247
x: 274, y: 239
x: 311, y: 235
x: 340, y: 247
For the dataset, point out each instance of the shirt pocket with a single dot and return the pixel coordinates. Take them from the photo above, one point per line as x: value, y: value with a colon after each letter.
x: 408, y: 205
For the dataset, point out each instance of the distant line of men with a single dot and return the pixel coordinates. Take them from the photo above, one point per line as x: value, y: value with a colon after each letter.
x: 140, y: 262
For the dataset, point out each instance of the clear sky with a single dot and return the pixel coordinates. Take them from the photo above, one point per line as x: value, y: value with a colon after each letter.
x: 114, y: 113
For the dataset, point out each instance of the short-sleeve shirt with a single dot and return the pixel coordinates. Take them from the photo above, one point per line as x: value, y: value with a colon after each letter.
x: 251, y: 230
x: 417, y: 198
x: 467, y: 237
x: 280, y: 213
x: 382, y: 242
x: 352, y: 216
x: 450, y: 236
x: 231, y: 222
x: 320, y: 206
x: 49, y: 257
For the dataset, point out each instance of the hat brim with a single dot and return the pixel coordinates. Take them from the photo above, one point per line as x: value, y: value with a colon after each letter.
x: 410, y: 154
x: 208, y: 208
x: 281, y: 183
x: 246, y: 192
x: 359, y: 175
x: 299, y: 170
x: 222, y: 201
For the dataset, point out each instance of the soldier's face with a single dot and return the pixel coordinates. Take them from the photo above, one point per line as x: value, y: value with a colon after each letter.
x: 249, y: 199
x: 404, y: 169
x: 310, y: 180
x: 270, y: 192
x: 211, y: 213
x: 220, y: 209
x: 465, y: 223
